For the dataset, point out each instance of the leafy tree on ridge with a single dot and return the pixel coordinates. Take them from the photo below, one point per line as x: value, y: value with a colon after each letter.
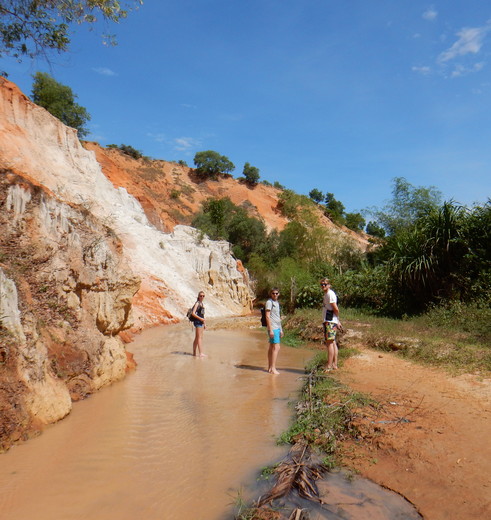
x: 251, y: 174
x: 210, y: 164
x: 334, y: 209
x: 59, y: 100
x: 316, y: 195
x: 355, y: 221
x: 375, y: 230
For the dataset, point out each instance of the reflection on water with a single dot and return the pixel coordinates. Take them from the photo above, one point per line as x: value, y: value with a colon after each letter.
x: 177, y: 439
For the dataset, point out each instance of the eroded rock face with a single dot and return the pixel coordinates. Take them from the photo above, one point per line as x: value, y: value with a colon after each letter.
x: 173, y: 267
x: 65, y: 294
x: 79, y: 264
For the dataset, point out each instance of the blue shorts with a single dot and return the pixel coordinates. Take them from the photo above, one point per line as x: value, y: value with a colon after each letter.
x: 276, y: 336
x: 198, y: 323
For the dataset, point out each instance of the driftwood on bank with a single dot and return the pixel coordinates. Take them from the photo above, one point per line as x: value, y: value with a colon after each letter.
x: 298, y: 472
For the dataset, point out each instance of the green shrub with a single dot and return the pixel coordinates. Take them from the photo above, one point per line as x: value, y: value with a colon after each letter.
x: 473, y: 318
x: 309, y: 297
x: 127, y: 149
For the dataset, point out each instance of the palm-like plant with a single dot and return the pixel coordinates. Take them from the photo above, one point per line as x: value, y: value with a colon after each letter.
x: 425, y: 260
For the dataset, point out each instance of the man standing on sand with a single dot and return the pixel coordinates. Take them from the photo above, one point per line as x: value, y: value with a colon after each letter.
x: 275, y: 331
x: 331, y: 323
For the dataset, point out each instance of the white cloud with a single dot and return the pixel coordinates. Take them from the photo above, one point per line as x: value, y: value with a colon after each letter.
x: 470, y: 41
x: 422, y: 70
x: 183, y: 144
x: 104, y: 71
x: 180, y: 144
x: 159, y: 138
x: 430, y: 14
x: 187, y: 105
x: 460, y: 70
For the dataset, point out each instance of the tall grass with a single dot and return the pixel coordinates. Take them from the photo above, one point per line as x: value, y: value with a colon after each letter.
x: 456, y: 337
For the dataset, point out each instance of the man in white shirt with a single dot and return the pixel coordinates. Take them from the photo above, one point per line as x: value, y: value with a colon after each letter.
x: 330, y: 323
x: 275, y: 330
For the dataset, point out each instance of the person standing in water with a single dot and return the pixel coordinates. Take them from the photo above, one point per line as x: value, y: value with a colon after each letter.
x: 198, y: 315
x: 330, y: 323
x: 275, y: 331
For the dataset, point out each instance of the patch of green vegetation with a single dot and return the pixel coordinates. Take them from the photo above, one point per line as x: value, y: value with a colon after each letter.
x: 291, y: 339
x: 267, y: 472
x: 187, y: 191
x: 437, y: 338
x: 242, y: 510
x: 325, y: 411
x: 127, y: 149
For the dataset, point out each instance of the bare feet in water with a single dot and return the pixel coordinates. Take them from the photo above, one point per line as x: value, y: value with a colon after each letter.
x: 273, y: 371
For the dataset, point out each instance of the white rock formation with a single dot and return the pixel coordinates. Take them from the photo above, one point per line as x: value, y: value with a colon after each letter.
x: 173, y: 267
x: 9, y: 308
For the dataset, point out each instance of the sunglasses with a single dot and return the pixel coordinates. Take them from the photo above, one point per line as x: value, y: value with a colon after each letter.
x: 275, y: 293
x: 324, y: 284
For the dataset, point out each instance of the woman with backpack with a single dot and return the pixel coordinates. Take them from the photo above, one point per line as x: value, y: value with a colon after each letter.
x: 198, y: 319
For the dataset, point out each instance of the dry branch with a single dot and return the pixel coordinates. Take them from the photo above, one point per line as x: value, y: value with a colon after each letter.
x: 297, y: 472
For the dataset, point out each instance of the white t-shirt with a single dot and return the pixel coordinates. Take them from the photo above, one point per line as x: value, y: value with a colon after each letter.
x: 274, y: 315
x: 329, y: 298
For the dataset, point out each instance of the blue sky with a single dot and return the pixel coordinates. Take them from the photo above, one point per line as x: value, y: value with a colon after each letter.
x: 339, y: 96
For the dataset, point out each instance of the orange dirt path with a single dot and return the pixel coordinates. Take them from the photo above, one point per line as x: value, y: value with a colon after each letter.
x: 431, y: 439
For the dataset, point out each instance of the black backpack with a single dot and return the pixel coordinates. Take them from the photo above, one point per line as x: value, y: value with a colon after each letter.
x: 189, y: 314
x: 263, y: 317
x: 264, y: 323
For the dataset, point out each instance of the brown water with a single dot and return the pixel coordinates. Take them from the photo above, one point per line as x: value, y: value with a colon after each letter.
x: 177, y: 439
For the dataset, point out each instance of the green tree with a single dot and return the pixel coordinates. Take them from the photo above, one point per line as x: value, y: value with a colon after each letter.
x: 251, y: 174
x: 427, y: 261
x: 209, y: 164
x: 316, y: 195
x: 355, y: 221
x: 249, y: 233
x: 375, y: 230
x: 30, y: 28
x: 290, y: 203
x: 217, y: 211
x: 59, y: 100
x: 222, y: 219
x: 334, y: 209
x: 408, y: 203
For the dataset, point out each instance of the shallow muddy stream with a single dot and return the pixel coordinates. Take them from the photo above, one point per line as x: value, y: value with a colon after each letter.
x: 179, y: 438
